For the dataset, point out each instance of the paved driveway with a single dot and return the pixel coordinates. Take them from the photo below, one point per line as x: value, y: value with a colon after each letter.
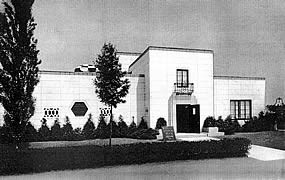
x: 229, y: 168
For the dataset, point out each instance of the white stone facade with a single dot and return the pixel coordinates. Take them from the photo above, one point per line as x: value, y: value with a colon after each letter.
x: 153, y: 92
x: 238, y: 88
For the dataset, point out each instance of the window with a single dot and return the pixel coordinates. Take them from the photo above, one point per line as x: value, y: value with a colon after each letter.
x: 182, y: 78
x: 105, y: 111
x: 240, y: 109
x: 51, y: 112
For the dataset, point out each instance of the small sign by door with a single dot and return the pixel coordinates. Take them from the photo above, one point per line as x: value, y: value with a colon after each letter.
x: 168, y: 133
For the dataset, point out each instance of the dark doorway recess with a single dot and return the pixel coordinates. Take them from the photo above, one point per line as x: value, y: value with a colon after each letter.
x: 188, y: 118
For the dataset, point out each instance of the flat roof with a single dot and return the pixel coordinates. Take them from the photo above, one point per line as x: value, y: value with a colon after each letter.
x: 129, y: 53
x: 239, y: 77
x: 81, y: 73
x: 172, y: 49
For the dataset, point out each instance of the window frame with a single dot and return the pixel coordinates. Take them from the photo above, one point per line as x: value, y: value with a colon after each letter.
x: 182, y: 83
x: 236, y: 113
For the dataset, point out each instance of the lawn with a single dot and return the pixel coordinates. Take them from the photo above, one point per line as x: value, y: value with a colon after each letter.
x: 98, y: 142
x: 273, y: 139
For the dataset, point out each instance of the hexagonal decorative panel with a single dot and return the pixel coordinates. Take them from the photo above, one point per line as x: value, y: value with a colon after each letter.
x: 79, y: 109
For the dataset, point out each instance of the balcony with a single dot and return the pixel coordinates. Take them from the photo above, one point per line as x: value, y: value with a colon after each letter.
x: 183, y: 88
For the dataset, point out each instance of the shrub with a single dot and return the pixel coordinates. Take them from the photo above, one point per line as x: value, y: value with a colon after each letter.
x: 101, y: 131
x: 30, y: 133
x: 44, y: 131
x: 160, y: 123
x: 210, y: 122
x: 115, y: 130
x: 264, y: 122
x: 144, y: 134
x: 230, y: 126
x: 5, y: 136
x: 88, y: 128
x: 67, y: 130
x: 143, y: 124
x: 132, y: 128
x: 56, y: 133
x: 122, y: 126
x: 83, y: 157
x: 78, y: 134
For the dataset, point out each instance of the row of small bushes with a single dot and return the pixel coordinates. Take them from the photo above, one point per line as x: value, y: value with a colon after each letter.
x: 67, y: 133
x: 35, y: 160
x: 264, y: 122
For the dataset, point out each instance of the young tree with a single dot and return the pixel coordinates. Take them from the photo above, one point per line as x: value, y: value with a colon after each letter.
x: 67, y: 130
x: 101, y: 130
x: 56, y: 131
x: 88, y: 128
x: 44, y: 131
x: 19, y: 65
x: 123, y: 127
x: 111, y: 88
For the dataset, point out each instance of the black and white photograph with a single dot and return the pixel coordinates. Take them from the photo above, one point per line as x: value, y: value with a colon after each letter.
x: 142, y: 89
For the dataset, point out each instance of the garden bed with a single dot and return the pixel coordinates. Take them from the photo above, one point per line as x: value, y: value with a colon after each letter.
x: 92, y: 156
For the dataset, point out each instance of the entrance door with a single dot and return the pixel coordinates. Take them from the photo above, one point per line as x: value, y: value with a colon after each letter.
x: 188, y: 118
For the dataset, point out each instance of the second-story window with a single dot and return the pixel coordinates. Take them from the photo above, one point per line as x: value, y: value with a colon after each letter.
x: 182, y: 77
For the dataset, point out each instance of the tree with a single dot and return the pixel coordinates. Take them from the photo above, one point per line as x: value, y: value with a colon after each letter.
x: 111, y: 88
x: 132, y: 128
x: 56, y: 131
x: 101, y: 131
x: 19, y: 61
x: 123, y: 127
x: 88, y: 128
x: 142, y: 124
x: 44, y: 131
x: 67, y: 130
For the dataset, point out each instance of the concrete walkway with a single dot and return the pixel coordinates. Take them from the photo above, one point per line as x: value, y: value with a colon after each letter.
x: 265, y: 153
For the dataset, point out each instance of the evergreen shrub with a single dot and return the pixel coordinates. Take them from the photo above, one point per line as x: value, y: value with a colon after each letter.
x: 67, y: 130
x: 123, y: 127
x: 101, y: 131
x: 88, y: 128
x: 44, y: 131
x: 56, y: 131
x: 82, y: 157
x: 142, y: 124
x: 160, y: 123
x: 30, y: 133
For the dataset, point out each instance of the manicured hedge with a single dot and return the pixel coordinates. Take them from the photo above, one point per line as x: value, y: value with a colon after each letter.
x: 39, y: 160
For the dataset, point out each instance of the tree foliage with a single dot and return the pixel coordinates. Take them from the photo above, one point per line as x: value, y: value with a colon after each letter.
x: 56, y: 131
x: 122, y: 126
x: 111, y: 88
x: 102, y: 129
x: 88, y: 128
x: 142, y: 124
x: 67, y: 130
x: 19, y: 65
x: 44, y: 131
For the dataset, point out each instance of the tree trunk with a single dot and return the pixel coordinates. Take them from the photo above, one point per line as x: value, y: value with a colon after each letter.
x: 111, y: 130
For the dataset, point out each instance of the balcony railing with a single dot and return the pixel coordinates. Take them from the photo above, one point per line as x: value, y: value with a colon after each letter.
x: 183, y: 88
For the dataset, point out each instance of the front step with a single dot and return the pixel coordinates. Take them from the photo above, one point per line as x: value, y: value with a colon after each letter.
x: 190, y: 135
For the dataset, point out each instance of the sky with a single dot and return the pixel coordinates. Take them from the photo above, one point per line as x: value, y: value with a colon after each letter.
x: 247, y: 36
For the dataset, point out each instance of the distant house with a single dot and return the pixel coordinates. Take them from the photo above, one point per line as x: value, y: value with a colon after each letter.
x: 174, y: 83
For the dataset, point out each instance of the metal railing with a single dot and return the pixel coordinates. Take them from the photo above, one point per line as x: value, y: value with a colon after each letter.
x: 183, y: 88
